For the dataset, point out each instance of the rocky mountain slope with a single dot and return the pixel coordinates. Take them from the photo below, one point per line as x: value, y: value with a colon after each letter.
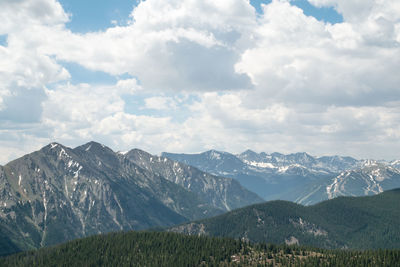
x: 225, y: 194
x: 58, y: 193
x: 297, y: 177
x: 345, y: 222
x: 371, y: 179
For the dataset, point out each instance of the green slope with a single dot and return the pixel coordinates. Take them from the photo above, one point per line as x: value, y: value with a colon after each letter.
x: 6, y: 245
x: 345, y: 222
x: 131, y: 248
x: 363, y: 222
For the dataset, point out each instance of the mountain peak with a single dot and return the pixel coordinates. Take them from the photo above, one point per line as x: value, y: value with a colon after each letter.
x: 302, y: 154
x: 53, y: 145
x: 213, y: 151
x: 214, y: 154
x: 137, y: 150
x: 94, y: 147
x: 249, y: 153
x: 55, y: 149
x: 137, y: 154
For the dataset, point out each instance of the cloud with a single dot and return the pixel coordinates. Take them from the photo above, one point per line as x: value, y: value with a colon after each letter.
x: 160, y: 103
x: 376, y: 21
x: 81, y: 106
x: 187, y: 45
x: 24, y: 70
x: 17, y: 14
x: 361, y: 10
x: 299, y: 59
x: 80, y: 113
x: 277, y: 81
x: 225, y: 122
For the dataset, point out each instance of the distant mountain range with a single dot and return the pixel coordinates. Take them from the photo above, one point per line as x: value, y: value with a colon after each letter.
x: 370, y: 222
x: 298, y: 177
x: 58, y: 194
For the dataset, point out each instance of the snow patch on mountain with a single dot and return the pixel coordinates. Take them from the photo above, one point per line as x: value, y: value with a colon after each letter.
x: 53, y: 145
x: 215, y: 155
x: 260, y: 164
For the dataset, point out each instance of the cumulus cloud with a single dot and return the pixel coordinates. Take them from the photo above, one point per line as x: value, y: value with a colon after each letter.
x: 186, y: 45
x: 79, y: 113
x: 299, y: 59
x: 80, y: 107
x: 276, y: 81
x: 16, y: 15
x: 24, y: 71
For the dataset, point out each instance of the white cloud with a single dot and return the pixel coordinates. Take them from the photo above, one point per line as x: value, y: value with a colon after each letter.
x: 187, y: 45
x: 16, y: 15
x: 160, y: 103
x: 84, y: 105
x: 299, y: 59
x: 128, y: 86
x: 24, y: 71
x: 361, y: 10
x: 80, y: 113
x: 225, y: 122
x: 376, y: 21
x: 280, y: 81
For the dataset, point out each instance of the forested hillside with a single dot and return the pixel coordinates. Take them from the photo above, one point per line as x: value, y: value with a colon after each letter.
x: 169, y: 249
x: 346, y: 222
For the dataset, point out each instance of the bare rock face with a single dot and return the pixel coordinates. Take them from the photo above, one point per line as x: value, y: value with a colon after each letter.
x: 370, y: 179
x: 189, y: 229
x: 224, y: 193
x: 58, y: 193
x: 292, y: 241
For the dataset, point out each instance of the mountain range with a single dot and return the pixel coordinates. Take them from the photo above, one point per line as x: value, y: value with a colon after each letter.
x: 298, y: 177
x: 58, y: 194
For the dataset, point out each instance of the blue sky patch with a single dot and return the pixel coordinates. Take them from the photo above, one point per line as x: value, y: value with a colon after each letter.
x: 257, y: 4
x: 327, y: 14
x: 3, y: 39
x: 94, y: 15
x: 80, y: 74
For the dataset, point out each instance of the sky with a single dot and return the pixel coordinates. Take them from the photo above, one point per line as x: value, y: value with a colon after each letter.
x: 319, y: 76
